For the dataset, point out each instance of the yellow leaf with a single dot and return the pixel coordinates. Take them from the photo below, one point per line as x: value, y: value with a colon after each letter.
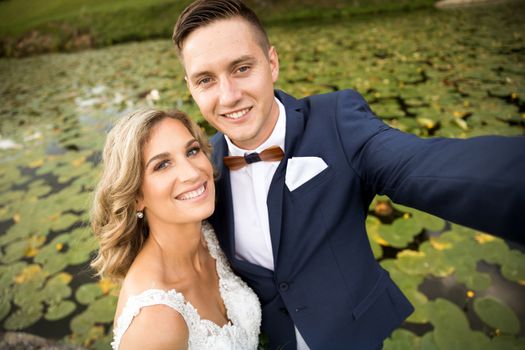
x: 37, y: 241
x: 106, y: 285
x: 483, y: 238
x: 458, y: 114
x: 53, y: 217
x: 65, y: 277
x: 514, y: 95
x: 36, y: 163
x: 461, y: 123
x: 31, y: 252
x: 59, y: 246
x: 411, y: 253
x: 523, y: 116
x: 522, y: 282
x: 470, y: 294
x: 16, y: 218
x: 466, y: 103
x: 406, y: 216
x: 95, y: 333
x: 79, y: 161
x: 439, y: 245
x: 381, y: 241
x: 28, y: 274
x: 426, y: 122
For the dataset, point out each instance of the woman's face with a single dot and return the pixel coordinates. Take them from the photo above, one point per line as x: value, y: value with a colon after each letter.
x: 178, y: 185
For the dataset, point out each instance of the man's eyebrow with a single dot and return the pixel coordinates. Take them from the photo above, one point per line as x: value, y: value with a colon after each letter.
x: 167, y: 154
x: 194, y: 76
x: 242, y: 59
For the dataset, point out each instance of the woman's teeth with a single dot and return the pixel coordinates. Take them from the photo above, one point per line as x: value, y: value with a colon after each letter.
x: 192, y: 194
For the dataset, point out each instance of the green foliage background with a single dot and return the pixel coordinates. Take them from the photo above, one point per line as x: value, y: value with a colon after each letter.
x: 33, y: 26
x: 431, y: 73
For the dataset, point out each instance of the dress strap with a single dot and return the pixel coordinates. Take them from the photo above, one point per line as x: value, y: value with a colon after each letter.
x: 147, y: 298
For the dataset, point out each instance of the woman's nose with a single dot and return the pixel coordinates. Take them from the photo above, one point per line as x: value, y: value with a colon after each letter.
x: 188, y: 172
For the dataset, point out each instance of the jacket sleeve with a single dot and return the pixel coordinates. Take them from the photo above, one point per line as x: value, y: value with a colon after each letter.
x: 477, y: 182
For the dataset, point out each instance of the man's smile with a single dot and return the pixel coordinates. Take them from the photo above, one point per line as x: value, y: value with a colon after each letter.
x: 237, y: 114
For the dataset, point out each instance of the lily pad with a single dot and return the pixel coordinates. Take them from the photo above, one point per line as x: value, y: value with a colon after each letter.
x: 451, y: 328
x: 401, y: 339
x: 87, y: 293
x: 401, y: 232
x: 497, y: 315
x: 24, y: 317
x: 508, y: 342
x: 60, y: 310
x: 5, y: 306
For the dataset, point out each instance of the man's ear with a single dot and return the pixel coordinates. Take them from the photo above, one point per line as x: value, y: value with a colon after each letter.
x: 274, y: 63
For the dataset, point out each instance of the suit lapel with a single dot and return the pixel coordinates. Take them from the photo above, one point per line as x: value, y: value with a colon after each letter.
x: 294, y: 129
x: 223, y: 222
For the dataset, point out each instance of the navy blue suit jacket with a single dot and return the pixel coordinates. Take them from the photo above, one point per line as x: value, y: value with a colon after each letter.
x: 326, y: 280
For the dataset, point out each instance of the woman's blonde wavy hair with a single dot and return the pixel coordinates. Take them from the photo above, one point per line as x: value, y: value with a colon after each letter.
x: 113, y: 215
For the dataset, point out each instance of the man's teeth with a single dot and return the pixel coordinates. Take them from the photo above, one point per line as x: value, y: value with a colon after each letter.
x: 237, y: 115
x: 192, y: 194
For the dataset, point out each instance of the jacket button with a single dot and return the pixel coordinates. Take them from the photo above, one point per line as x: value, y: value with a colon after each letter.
x: 283, y: 310
x: 283, y: 286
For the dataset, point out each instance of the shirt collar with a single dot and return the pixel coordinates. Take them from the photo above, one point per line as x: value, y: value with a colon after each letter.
x: 276, y: 137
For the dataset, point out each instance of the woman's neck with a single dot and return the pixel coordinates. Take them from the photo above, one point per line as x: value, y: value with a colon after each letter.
x: 178, y: 248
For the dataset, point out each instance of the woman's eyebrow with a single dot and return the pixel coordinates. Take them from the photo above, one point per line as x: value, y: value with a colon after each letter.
x: 160, y: 155
x: 167, y: 154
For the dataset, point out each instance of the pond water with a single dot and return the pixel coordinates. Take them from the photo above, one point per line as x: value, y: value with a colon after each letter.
x: 454, y: 73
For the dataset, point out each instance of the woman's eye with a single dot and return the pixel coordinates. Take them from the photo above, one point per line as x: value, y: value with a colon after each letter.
x: 161, y: 165
x: 193, y: 151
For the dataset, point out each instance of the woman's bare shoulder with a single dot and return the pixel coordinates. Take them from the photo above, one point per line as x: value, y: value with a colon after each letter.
x: 156, y: 327
x: 137, y: 281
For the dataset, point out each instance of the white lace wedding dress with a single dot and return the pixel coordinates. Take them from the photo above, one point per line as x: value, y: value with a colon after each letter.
x: 242, y: 307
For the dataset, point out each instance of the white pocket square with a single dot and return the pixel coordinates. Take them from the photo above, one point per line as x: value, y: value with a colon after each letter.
x: 301, y: 169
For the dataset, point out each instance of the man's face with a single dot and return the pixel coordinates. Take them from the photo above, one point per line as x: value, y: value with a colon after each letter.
x: 231, y: 79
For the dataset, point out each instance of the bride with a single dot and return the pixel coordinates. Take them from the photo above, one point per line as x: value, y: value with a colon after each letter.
x: 177, y: 290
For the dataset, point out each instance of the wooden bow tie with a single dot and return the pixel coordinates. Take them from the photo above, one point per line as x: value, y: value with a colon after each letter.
x: 274, y: 153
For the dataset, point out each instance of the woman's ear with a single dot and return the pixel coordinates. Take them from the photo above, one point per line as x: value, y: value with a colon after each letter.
x: 139, y: 203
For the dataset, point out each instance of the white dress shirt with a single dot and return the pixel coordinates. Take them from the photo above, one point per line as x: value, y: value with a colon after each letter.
x: 250, y: 186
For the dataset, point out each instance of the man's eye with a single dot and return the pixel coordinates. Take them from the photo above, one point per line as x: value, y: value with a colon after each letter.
x: 204, y: 81
x: 243, y: 69
x: 162, y: 165
x: 193, y: 151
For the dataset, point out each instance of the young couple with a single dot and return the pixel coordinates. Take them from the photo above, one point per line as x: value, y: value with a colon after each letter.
x: 287, y: 200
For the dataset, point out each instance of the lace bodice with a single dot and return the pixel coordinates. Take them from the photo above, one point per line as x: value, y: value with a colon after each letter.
x: 242, y: 307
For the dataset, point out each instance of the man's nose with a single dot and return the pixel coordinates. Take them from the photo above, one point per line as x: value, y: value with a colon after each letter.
x: 230, y: 93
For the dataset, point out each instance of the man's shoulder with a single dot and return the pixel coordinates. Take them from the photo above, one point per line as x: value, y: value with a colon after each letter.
x: 217, y: 138
x: 336, y: 95
x: 329, y: 98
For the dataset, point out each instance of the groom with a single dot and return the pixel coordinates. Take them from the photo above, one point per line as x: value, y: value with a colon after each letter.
x: 299, y: 175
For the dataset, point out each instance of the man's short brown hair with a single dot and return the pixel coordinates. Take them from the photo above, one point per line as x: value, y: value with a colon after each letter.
x: 203, y: 12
